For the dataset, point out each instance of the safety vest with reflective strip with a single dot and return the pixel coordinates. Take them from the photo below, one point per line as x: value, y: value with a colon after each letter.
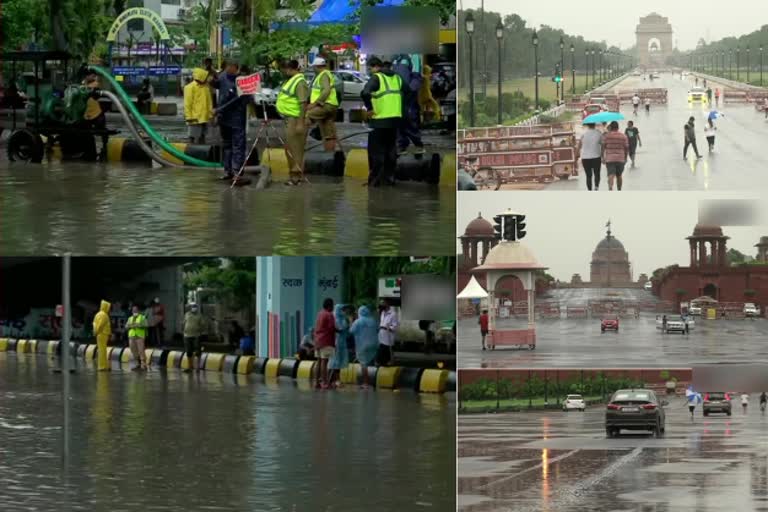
x: 388, y: 101
x: 287, y: 100
x: 137, y: 332
x: 316, y: 89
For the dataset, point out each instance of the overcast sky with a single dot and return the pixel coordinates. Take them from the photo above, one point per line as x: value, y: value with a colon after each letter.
x: 615, y: 22
x: 564, y: 227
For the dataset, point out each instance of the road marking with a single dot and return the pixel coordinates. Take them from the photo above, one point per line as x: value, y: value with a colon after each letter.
x: 532, y: 468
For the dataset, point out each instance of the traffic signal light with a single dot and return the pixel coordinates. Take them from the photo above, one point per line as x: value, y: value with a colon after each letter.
x: 509, y: 229
x: 558, y: 75
x: 497, y: 227
x: 520, y: 227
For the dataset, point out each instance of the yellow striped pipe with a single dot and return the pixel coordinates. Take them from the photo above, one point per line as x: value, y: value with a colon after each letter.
x: 448, y: 170
x: 173, y: 357
x: 181, y: 146
x: 348, y: 375
x: 126, y: 356
x: 245, y: 365
x: 305, y: 370
x: 115, y: 149
x: 214, y: 362
x: 32, y: 346
x: 185, y: 363
x: 90, y: 353
x: 356, y: 165
x: 387, y: 377
x: 148, y: 355
x: 3, y: 344
x: 433, y: 381
x: 272, y: 369
x: 22, y: 346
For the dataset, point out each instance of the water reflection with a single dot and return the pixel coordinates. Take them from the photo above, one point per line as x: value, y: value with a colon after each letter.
x: 92, y: 209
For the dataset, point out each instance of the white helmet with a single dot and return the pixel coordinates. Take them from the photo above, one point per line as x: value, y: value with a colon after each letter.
x: 319, y: 61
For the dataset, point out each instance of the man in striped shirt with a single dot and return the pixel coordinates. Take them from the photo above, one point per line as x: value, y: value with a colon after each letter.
x: 615, y: 151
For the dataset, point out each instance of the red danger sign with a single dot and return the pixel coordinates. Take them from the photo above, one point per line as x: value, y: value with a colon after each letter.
x: 250, y: 84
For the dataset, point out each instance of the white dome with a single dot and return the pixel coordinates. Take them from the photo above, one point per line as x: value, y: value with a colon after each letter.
x: 511, y: 256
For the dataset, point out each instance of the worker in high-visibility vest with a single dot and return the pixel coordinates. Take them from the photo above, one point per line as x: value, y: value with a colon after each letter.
x: 383, y: 99
x: 324, y: 102
x: 292, y: 102
x: 137, y: 333
x: 102, y: 330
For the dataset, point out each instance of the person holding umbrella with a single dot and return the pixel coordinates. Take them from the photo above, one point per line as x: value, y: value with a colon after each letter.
x: 691, y: 399
x: 709, y: 133
x: 615, y: 152
x: 591, y: 145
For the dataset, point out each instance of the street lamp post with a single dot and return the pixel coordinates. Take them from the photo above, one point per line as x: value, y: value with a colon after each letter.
x: 469, y: 25
x: 761, y: 65
x: 573, y: 71
x: 499, y: 37
x: 738, y: 75
x: 601, y: 66
x: 594, y: 68
x: 586, y: 69
x: 747, y: 64
x: 730, y: 64
x: 535, y: 42
x: 562, y: 69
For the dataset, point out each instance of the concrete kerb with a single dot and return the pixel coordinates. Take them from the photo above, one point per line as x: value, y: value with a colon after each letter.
x: 388, y: 377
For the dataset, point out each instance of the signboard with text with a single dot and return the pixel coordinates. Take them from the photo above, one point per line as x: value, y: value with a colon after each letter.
x: 250, y: 84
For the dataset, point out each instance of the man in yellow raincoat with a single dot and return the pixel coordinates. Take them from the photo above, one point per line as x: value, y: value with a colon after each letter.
x: 102, y: 329
x: 198, y: 106
x: 427, y: 102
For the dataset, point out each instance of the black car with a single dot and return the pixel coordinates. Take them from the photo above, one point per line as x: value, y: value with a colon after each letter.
x: 634, y: 409
x: 717, y: 401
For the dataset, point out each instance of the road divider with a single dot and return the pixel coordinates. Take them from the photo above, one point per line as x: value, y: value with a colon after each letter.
x: 276, y: 369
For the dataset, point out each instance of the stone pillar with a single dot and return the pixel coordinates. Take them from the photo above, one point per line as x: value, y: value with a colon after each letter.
x: 692, y: 244
x: 531, y: 309
x: 702, y: 252
x: 465, y: 250
x: 491, y: 309
x: 721, y: 246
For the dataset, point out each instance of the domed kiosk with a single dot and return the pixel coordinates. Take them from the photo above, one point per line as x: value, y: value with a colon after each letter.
x: 511, y: 258
x: 610, y: 262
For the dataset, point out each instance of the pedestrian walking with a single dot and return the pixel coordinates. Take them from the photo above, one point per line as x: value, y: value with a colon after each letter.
x: 590, y: 150
x: 94, y: 118
x: 194, y: 326
x: 744, y: 402
x: 158, y: 320
x: 664, y: 324
x: 709, y: 133
x: 137, y: 333
x: 383, y: 99
x: 615, y: 153
x: 292, y: 100
x: 198, y: 106
x: 709, y: 95
x: 102, y: 330
x: 232, y: 115
x: 325, y: 341
x: 647, y: 105
x: 145, y: 96
x: 365, y: 332
x: 388, y: 325
x: 483, y: 322
x: 763, y: 401
x: 635, y: 103
x: 633, y: 135
x: 409, y: 131
x: 690, y: 138
x: 717, y: 96
x: 340, y: 359
x: 323, y: 103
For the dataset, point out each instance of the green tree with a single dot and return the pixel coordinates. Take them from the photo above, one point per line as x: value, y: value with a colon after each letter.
x: 735, y: 257
x: 233, y: 282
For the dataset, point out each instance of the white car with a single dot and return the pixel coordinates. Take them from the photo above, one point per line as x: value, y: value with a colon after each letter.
x: 694, y: 310
x: 354, y: 81
x: 751, y: 310
x: 268, y: 96
x: 675, y: 324
x: 574, y: 402
x: 648, y: 285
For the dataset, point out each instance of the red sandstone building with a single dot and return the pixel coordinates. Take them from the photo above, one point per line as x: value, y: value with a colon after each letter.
x: 709, y: 273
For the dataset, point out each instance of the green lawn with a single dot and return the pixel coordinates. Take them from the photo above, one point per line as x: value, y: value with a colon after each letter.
x: 527, y: 87
x: 515, y: 403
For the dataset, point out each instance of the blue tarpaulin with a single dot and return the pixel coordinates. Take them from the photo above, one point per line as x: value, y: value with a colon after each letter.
x: 338, y: 11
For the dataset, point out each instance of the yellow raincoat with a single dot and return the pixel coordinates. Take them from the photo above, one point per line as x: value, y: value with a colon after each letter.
x: 102, y: 329
x: 198, y: 102
x: 426, y: 102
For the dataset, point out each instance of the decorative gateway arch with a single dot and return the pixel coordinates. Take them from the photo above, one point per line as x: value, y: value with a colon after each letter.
x: 654, y: 40
x: 152, y: 17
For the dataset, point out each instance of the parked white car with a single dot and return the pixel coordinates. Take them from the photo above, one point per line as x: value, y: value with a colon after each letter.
x: 648, y: 285
x: 675, y: 324
x: 574, y: 402
x: 751, y: 310
x: 694, y: 309
x: 354, y: 81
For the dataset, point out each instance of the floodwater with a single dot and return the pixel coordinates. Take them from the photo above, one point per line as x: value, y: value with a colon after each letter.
x: 737, y: 163
x: 546, y: 461
x: 93, y: 209
x: 167, y: 441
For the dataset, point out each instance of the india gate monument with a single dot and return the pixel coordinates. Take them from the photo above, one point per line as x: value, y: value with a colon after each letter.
x: 654, y: 40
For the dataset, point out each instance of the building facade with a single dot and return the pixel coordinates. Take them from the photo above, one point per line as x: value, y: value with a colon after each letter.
x: 610, y: 262
x: 654, y: 40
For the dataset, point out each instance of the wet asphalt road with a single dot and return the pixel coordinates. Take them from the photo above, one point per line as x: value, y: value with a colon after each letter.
x: 578, y: 342
x: 738, y: 162
x: 551, y: 461
x: 167, y: 442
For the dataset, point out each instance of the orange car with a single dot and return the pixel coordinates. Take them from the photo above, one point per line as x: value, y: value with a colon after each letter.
x: 592, y: 108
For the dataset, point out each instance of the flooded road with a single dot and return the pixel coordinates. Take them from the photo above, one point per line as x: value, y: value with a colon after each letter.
x: 578, y: 342
x: 91, y: 209
x: 737, y: 163
x: 546, y: 461
x: 176, y: 442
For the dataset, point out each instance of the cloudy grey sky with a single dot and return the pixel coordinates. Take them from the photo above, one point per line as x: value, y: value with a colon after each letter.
x: 615, y: 22
x: 564, y: 227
